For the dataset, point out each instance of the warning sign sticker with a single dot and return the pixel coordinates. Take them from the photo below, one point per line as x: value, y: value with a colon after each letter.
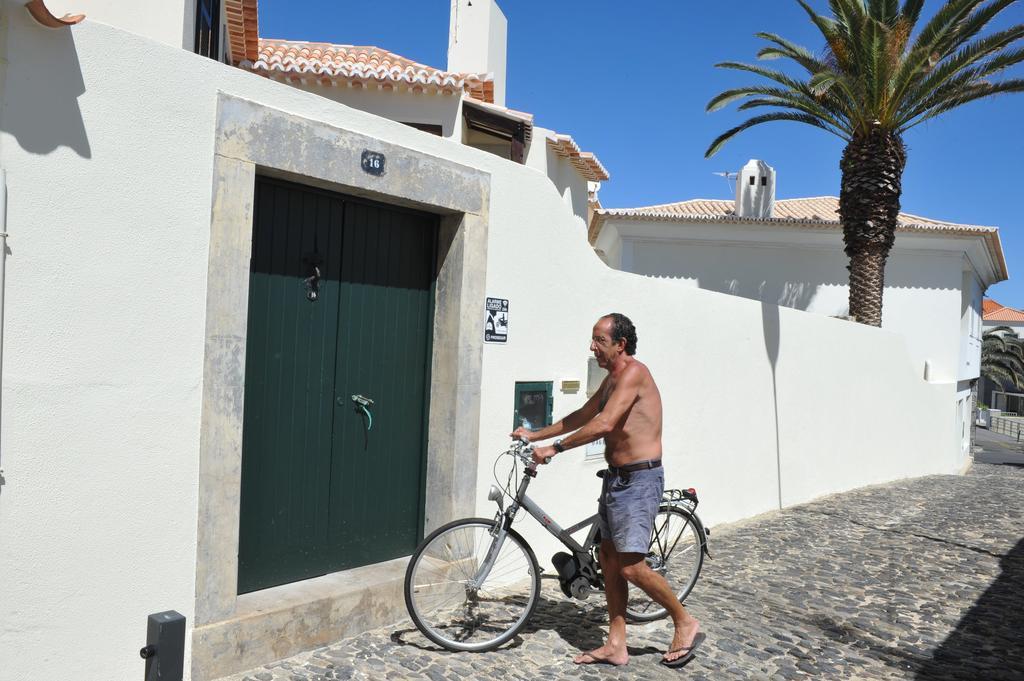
x: 496, y: 321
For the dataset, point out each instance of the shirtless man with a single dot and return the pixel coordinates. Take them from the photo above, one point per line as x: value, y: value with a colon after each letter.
x: 626, y: 412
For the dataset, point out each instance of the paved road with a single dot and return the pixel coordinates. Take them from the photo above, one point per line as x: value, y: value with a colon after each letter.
x: 997, y: 448
x: 921, y: 579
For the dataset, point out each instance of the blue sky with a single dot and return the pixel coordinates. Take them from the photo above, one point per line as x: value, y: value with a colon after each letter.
x: 629, y: 81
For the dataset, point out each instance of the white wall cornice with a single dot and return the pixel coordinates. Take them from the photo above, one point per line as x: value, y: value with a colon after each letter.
x: 810, y: 236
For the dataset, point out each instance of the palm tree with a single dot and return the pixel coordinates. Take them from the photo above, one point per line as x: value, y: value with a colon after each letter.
x: 879, y: 76
x: 1002, y: 357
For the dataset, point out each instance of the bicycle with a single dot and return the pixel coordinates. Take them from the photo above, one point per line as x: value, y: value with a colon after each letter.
x: 472, y: 585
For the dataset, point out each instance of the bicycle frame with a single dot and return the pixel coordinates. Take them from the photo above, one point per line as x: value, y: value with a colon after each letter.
x: 521, y: 500
x: 565, y: 535
x: 547, y: 522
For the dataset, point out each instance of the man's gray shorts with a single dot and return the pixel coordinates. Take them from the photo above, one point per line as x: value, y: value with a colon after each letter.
x: 627, y: 508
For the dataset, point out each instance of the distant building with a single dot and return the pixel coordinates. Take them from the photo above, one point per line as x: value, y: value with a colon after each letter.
x: 789, y: 252
x: 465, y: 103
x: 995, y: 315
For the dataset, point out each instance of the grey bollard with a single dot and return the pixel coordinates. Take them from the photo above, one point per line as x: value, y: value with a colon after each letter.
x: 165, y: 647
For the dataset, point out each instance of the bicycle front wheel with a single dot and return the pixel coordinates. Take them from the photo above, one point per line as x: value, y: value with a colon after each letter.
x: 454, y: 603
x: 676, y: 554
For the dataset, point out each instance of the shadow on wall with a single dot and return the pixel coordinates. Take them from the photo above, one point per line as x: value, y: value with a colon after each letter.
x: 821, y: 270
x: 986, y: 643
x: 794, y: 294
x: 41, y: 111
x: 772, y: 335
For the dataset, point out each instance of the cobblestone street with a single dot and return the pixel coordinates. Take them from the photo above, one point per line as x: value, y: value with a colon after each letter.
x: 920, y: 579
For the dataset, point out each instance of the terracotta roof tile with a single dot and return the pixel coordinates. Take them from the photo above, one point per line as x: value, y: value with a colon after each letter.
x: 820, y: 212
x: 42, y: 14
x: 243, y: 29
x: 991, y: 311
x: 988, y: 306
x: 584, y: 161
x: 362, y: 65
x: 820, y: 208
x: 1005, y: 314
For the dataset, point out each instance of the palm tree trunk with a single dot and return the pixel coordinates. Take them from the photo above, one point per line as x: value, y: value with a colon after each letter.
x: 867, y: 281
x: 869, y: 207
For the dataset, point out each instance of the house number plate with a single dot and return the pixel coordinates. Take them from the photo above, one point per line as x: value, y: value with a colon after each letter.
x: 373, y: 162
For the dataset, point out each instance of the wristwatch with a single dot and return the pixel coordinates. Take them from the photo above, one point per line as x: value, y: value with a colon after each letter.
x: 557, y: 444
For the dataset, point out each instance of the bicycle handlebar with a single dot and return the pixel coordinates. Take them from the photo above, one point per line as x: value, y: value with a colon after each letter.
x: 522, y: 449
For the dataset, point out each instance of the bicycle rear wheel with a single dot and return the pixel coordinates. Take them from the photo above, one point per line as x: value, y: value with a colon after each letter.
x: 675, y: 553
x: 448, y: 605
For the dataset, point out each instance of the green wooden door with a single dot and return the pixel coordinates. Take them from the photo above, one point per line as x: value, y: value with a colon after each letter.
x: 323, y: 489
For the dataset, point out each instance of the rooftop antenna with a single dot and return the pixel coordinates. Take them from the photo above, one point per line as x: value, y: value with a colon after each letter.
x: 729, y: 177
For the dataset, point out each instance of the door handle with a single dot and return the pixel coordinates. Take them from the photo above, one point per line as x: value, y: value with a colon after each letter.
x: 363, y: 404
x: 312, y: 282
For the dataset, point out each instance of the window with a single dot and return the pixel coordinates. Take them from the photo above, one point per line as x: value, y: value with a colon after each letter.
x: 532, y: 406
x: 207, y: 41
x: 505, y: 129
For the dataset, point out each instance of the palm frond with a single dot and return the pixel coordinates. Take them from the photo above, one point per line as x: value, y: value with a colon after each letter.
x: 850, y: 13
x: 758, y: 120
x: 827, y: 26
x: 879, y: 68
x: 990, y: 48
x: 912, y: 11
x: 970, y: 94
x: 976, y: 22
x: 770, y: 74
x: 1002, y: 356
x: 822, y: 81
x: 943, y: 23
x: 839, y: 106
x: 782, y: 97
x: 834, y: 126
x: 785, y: 48
x: 873, y: 62
x: 1003, y: 376
x: 886, y: 11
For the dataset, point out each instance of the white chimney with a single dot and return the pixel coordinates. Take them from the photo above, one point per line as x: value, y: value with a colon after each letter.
x: 477, y: 39
x: 755, y: 190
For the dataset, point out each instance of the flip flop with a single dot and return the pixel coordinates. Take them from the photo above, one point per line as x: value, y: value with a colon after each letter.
x: 683, y: 659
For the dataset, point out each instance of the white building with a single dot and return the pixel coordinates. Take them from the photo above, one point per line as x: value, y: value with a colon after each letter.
x: 994, y: 316
x: 465, y: 103
x: 789, y: 252
x: 203, y: 265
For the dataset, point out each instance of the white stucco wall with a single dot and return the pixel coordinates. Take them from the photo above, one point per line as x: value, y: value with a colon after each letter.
x: 107, y: 139
x: 404, y: 107
x: 571, y: 186
x: 806, y: 270
x: 167, y: 21
x: 477, y: 41
x: 446, y: 111
x: 971, y: 294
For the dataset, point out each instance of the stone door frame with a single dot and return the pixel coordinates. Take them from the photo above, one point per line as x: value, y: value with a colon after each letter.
x: 255, y: 139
